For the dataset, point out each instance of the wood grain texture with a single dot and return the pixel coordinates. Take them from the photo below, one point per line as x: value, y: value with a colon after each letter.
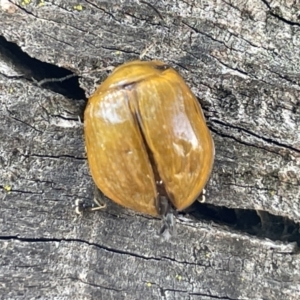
x: 241, y: 60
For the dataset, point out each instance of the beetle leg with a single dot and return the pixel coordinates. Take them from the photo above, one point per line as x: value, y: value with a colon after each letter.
x: 145, y: 51
x: 80, y: 207
x: 97, y: 196
x: 99, y: 205
x: 203, y: 196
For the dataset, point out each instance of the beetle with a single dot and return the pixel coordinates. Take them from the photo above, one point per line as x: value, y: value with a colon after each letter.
x: 147, y: 139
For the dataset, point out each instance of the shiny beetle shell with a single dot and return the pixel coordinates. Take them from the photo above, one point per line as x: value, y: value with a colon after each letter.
x: 146, y: 136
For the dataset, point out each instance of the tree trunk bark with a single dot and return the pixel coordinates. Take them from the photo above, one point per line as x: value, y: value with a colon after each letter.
x: 242, y: 61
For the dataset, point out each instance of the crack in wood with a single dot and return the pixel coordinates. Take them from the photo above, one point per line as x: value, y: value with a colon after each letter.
x: 36, y: 70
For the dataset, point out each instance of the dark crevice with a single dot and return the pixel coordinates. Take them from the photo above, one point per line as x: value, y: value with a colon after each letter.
x: 211, y: 296
x: 273, y: 13
x: 22, y: 7
x: 229, y: 67
x: 154, y: 9
x: 108, y: 288
x: 25, y: 192
x: 45, y: 156
x: 204, y: 34
x: 257, y: 223
x: 162, y: 292
x: 111, y: 15
x: 120, y: 50
x: 286, y: 77
x: 56, y: 157
x: 24, y: 123
x: 51, y: 240
x: 254, y: 222
x: 250, y: 133
x: 221, y: 134
x: 37, y: 71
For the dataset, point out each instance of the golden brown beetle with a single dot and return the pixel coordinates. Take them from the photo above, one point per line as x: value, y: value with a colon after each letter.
x: 146, y: 138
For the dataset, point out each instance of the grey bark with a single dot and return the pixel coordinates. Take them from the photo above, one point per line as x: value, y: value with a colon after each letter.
x: 242, y: 61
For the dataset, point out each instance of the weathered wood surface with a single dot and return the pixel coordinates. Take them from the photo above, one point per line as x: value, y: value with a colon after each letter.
x: 242, y: 60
